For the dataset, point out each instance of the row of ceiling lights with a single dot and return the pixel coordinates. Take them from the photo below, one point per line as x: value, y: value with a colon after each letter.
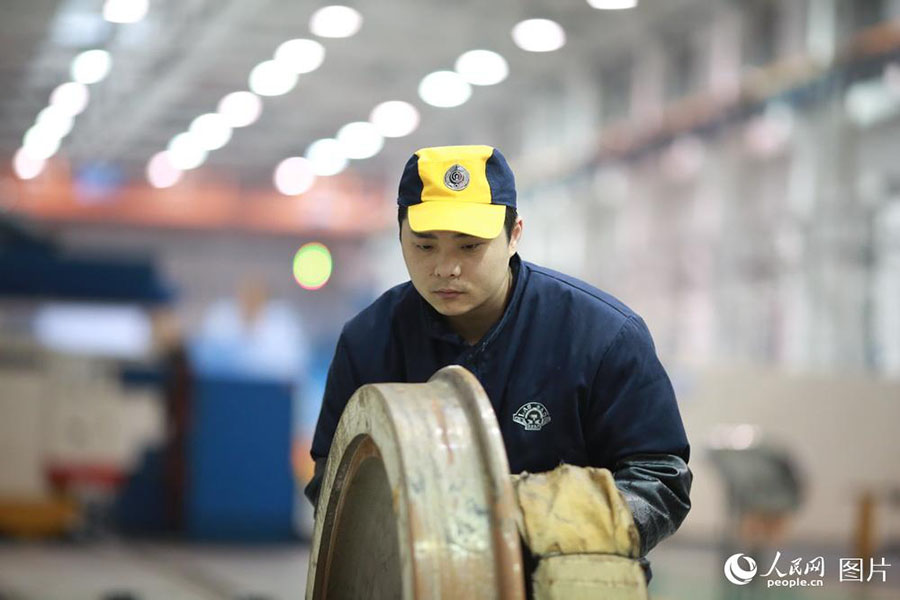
x: 54, y: 122
x: 211, y: 131
x: 360, y: 140
x: 273, y: 77
x: 395, y: 118
x: 357, y: 140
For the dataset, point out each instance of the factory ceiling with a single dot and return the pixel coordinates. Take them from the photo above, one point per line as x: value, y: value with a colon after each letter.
x: 184, y: 56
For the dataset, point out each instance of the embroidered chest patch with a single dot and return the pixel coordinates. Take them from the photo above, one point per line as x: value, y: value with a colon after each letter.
x: 532, y: 416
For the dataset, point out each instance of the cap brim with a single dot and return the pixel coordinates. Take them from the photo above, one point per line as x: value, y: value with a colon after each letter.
x: 479, y: 220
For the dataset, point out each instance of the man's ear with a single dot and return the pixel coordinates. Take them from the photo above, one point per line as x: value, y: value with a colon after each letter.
x: 515, y: 235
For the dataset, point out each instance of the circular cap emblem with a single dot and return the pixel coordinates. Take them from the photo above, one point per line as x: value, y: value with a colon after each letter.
x: 456, y: 178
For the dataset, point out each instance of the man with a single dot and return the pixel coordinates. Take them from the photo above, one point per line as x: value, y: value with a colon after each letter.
x: 571, y: 372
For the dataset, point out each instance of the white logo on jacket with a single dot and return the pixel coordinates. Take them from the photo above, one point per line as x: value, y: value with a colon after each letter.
x: 532, y: 416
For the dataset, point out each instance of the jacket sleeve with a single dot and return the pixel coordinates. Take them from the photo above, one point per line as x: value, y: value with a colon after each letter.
x: 634, y: 429
x: 657, y: 488
x: 342, y: 382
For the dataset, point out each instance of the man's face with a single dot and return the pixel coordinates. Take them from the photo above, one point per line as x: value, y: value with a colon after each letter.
x: 457, y: 273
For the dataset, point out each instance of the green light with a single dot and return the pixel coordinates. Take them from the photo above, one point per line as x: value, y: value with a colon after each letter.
x: 312, y: 266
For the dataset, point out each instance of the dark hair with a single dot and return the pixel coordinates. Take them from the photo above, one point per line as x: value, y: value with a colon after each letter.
x: 509, y: 222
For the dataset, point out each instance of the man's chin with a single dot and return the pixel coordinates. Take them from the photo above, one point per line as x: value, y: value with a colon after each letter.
x: 449, y: 309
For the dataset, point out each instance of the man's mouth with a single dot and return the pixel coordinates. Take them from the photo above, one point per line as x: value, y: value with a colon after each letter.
x: 448, y: 293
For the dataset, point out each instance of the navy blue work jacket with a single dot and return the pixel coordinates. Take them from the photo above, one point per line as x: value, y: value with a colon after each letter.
x: 571, y: 372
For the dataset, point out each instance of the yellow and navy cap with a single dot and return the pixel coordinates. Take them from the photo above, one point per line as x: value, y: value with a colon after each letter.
x: 457, y: 188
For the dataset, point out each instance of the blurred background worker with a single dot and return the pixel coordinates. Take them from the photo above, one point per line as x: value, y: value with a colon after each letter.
x: 570, y: 371
x: 727, y: 169
x: 252, y: 334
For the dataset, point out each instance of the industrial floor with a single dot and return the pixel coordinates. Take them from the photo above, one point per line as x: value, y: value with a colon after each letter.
x: 180, y: 571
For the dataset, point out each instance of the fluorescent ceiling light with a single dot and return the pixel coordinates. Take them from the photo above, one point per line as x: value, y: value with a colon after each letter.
x: 71, y: 97
x: 335, y: 22
x: 240, y: 109
x: 539, y: 35
x: 612, y: 4
x: 271, y: 78
x: 360, y: 140
x: 482, y: 67
x: 210, y: 130
x: 26, y: 167
x: 326, y: 157
x: 395, y: 118
x: 161, y: 173
x: 444, y: 89
x: 300, y: 55
x: 294, y: 176
x: 40, y: 143
x: 55, y: 120
x: 91, y: 66
x: 125, y: 11
x: 185, y: 152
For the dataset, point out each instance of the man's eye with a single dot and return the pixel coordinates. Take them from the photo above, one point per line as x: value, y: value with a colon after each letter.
x: 424, y: 246
x: 471, y: 246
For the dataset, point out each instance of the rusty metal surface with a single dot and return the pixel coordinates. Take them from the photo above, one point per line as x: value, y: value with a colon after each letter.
x: 416, y: 501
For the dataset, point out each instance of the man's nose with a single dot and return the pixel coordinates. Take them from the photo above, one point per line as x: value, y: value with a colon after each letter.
x: 447, y: 266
